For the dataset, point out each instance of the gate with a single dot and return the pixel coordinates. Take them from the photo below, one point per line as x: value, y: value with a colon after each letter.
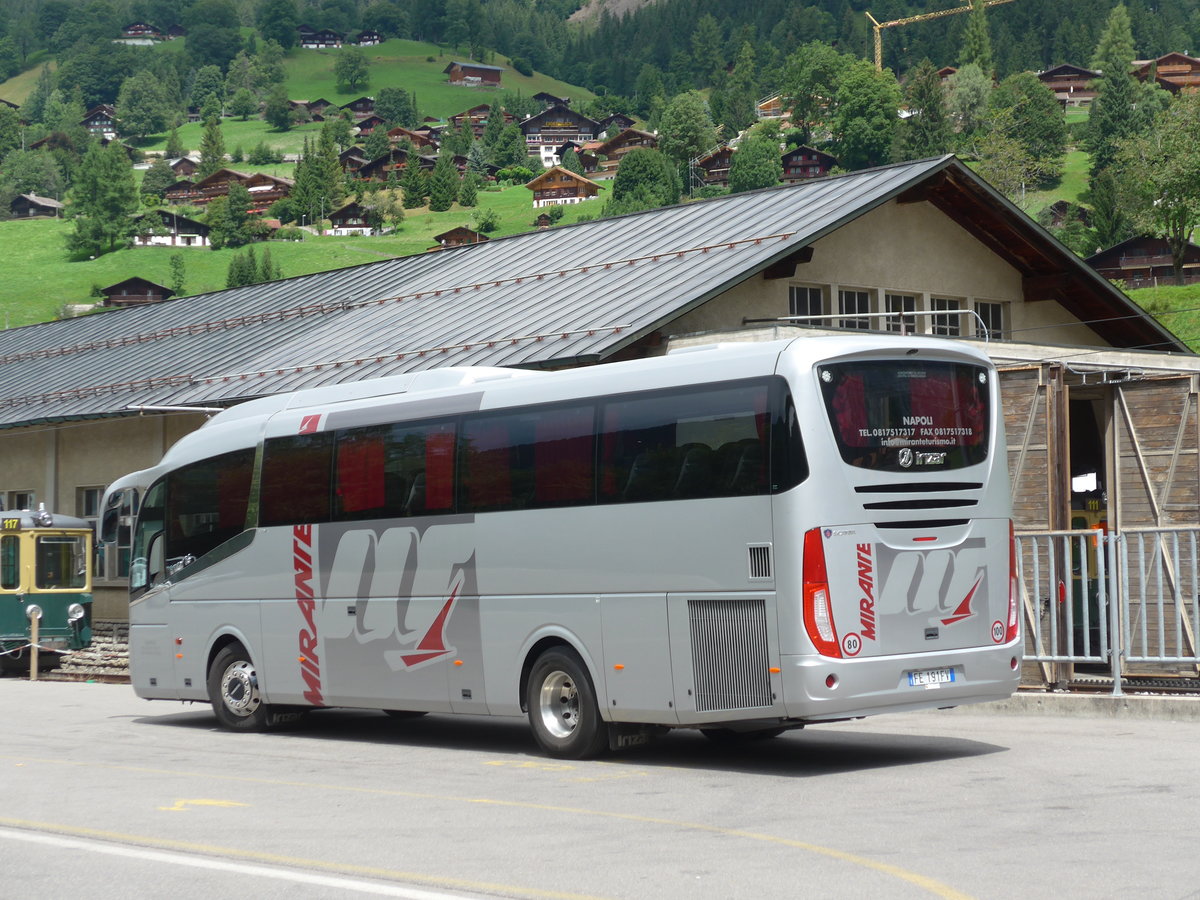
x: 1122, y: 605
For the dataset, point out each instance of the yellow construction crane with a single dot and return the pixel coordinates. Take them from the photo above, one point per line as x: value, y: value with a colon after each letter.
x: 878, y: 26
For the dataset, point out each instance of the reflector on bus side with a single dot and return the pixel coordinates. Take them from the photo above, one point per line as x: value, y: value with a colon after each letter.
x: 818, y: 612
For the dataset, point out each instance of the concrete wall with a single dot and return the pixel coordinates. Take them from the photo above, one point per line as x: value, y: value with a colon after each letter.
x: 910, y: 248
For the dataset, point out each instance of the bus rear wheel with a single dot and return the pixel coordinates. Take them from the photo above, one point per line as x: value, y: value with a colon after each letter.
x: 562, y: 707
x: 234, y: 693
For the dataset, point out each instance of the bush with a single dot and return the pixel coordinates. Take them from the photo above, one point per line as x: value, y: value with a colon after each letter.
x: 712, y: 190
x: 515, y: 175
x: 521, y: 64
x: 288, y: 233
x: 486, y: 220
x: 262, y: 155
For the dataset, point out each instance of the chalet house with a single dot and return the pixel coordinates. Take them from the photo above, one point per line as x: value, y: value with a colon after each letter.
x: 304, y: 30
x: 457, y: 237
x: 351, y: 219
x: 473, y: 73
x: 101, y: 120
x: 163, y: 228
x: 183, y: 167
x: 1072, y: 85
x: 264, y: 189
x: 1144, y: 262
x: 614, y: 123
x: 714, y: 165
x: 561, y: 186
x: 318, y: 106
x: 368, y: 38
x: 770, y: 107
x: 614, y: 149
x: 945, y: 73
x: 1173, y: 71
x: 323, y: 39
x: 369, y: 124
x: 806, y: 162
x: 419, y: 139
x: 140, y: 34
x: 360, y: 107
x: 29, y: 206
x: 548, y: 99
x: 477, y: 118
x: 181, y: 192
x: 352, y: 159
x: 135, y: 292
x: 377, y: 169
x: 546, y: 131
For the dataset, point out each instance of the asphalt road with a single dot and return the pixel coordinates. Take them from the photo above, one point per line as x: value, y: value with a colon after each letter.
x: 108, y: 796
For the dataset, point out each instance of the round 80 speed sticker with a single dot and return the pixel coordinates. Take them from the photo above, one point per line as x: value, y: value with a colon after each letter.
x: 851, y: 644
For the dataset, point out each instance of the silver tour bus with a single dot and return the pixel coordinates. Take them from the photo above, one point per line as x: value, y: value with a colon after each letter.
x: 742, y: 538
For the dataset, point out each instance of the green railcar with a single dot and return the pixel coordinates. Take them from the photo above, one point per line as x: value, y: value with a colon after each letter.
x: 45, y: 575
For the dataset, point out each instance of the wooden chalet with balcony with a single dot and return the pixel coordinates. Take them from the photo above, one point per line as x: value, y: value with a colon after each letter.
x: 264, y: 189
x: 350, y: 220
x: 1072, y: 85
x: 367, y: 38
x: 558, y: 186
x: 352, y: 159
x: 714, y: 165
x: 459, y: 72
x: 614, y: 149
x: 548, y: 130
x: 322, y: 39
x: 1172, y: 71
x: 614, y: 123
x: 183, y: 166
x: 369, y: 124
x: 801, y: 163
x: 31, y: 206
x: 770, y: 107
x: 135, y: 292
x: 140, y: 34
x: 477, y: 118
x: 547, y: 99
x: 101, y: 120
x: 163, y: 228
x: 1144, y: 262
x: 360, y: 107
x: 419, y: 139
x: 458, y: 237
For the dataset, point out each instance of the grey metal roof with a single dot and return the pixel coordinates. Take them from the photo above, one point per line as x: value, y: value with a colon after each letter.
x: 556, y: 297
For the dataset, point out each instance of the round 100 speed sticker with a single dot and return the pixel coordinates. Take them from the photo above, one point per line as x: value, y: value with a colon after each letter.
x: 998, y: 631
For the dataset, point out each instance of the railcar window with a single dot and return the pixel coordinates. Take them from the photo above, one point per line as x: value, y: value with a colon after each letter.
x: 10, y: 562
x: 61, y: 562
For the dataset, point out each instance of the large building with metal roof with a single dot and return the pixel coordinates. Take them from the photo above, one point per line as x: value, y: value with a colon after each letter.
x: 85, y: 400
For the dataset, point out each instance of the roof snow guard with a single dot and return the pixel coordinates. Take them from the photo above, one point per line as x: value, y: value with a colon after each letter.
x: 556, y: 297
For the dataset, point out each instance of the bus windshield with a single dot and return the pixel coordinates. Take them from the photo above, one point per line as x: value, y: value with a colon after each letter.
x: 899, y: 414
x: 61, y: 562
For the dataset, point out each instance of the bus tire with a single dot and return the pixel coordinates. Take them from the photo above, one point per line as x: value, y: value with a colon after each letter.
x: 233, y: 691
x: 563, y: 712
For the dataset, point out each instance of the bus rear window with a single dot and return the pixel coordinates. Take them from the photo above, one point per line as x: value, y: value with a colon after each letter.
x: 902, y: 415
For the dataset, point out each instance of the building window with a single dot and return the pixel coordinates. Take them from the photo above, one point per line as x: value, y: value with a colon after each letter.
x: 87, y: 502
x: 992, y: 315
x: 18, y: 500
x: 806, y: 301
x: 850, y: 302
x: 900, y: 303
x: 948, y: 325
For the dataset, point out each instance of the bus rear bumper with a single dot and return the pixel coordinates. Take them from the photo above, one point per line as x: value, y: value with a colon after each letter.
x: 817, y: 688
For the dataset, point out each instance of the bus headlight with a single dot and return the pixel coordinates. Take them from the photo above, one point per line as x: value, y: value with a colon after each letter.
x: 33, y: 611
x: 75, y: 612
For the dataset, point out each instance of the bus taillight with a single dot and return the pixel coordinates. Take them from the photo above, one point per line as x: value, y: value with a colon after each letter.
x: 1013, y: 628
x: 818, y: 612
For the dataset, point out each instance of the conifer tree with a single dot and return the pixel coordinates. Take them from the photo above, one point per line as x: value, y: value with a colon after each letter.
x: 414, y: 184
x: 468, y: 191
x: 570, y: 161
x: 212, y: 149
x: 443, y: 185
x: 926, y: 131
x: 477, y: 159
x: 104, y: 199
x: 175, y: 148
x: 977, y: 43
x: 494, y: 127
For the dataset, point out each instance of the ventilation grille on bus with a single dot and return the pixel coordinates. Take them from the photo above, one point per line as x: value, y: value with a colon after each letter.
x: 921, y: 487
x: 729, y: 654
x: 760, y: 560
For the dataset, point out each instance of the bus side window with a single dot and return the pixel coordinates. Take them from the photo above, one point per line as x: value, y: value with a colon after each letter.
x: 206, y: 504
x: 296, y: 479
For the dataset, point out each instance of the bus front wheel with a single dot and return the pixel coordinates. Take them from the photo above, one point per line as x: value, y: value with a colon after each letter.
x: 233, y: 690
x: 562, y: 707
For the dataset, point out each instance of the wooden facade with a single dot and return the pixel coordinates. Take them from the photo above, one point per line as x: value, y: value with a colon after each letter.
x: 134, y: 292
x: 351, y: 219
x: 801, y: 163
x: 163, y: 228
x: 558, y: 186
x: 264, y: 189
x: 714, y: 165
x: 548, y: 130
x: 1145, y: 261
x: 30, y: 206
x: 459, y: 72
x: 321, y: 39
x: 1172, y: 71
x: 1072, y: 85
x: 614, y: 149
x: 360, y: 107
x: 458, y: 237
x: 101, y: 120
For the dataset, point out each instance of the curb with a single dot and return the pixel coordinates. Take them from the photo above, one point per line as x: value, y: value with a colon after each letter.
x: 1094, y: 706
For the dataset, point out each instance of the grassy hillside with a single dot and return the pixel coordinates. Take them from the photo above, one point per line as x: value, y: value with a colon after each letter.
x: 46, y: 281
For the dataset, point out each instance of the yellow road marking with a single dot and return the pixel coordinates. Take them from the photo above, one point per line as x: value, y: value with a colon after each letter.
x: 914, y: 878
x: 182, y: 805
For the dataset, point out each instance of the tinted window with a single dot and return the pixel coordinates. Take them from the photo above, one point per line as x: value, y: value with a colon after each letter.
x: 686, y: 444
x: 394, y: 470
x: 902, y: 415
x: 206, y: 503
x: 295, y: 485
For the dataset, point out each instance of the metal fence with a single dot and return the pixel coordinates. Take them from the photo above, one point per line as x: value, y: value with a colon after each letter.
x: 1121, y: 604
